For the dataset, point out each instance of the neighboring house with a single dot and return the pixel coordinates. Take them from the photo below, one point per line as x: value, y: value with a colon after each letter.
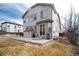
x: 11, y: 28
x: 0, y: 27
x: 41, y: 21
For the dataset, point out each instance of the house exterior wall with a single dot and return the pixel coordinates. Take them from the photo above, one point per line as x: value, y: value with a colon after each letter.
x: 37, y: 11
x: 51, y: 15
x: 55, y: 25
x: 0, y: 27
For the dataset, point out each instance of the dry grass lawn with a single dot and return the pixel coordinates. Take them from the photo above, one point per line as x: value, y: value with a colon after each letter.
x: 12, y: 47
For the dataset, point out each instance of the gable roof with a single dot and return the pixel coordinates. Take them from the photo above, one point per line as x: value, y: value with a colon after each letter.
x: 41, y: 4
x: 12, y: 23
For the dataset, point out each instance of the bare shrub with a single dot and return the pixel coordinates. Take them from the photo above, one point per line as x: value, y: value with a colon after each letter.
x: 72, y: 27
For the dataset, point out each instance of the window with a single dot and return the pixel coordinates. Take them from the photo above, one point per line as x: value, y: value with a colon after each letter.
x: 15, y: 26
x: 41, y: 15
x: 18, y: 31
x: 44, y: 14
x: 42, y: 29
x: 29, y: 18
x: 8, y: 25
x: 35, y: 18
x: 24, y: 21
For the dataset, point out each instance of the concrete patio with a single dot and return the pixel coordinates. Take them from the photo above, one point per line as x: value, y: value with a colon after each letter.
x: 32, y: 40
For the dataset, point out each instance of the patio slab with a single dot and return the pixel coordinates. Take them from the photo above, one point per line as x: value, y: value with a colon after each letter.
x: 32, y: 40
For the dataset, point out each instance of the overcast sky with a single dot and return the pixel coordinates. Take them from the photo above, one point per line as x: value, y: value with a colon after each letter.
x: 14, y: 11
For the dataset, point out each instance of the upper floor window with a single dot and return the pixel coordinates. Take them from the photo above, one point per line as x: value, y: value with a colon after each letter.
x: 24, y: 21
x: 31, y: 18
x: 41, y: 15
x: 44, y: 14
x: 15, y: 26
x: 35, y: 18
x: 8, y: 25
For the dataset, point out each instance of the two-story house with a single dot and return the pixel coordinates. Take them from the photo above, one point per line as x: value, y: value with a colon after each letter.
x: 0, y: 27
x: 41, y: 21
x: 11, y: 27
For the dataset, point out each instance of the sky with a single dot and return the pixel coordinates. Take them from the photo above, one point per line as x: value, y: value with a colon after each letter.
x: 14, y: 11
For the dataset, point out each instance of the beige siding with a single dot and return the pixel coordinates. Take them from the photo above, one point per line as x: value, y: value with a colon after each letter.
x: 51, y: 15
x: 37, y: 10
